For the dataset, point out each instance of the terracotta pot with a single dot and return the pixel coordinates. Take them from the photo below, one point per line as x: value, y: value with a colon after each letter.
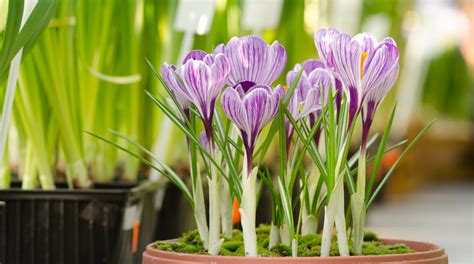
x: 426, y: 254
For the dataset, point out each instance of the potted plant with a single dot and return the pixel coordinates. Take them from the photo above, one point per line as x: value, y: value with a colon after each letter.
x: 64, y: 199
x: 313, y: 119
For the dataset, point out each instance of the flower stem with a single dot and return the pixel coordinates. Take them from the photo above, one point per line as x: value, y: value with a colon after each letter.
x: 357, y: 203
x: 226, y: 210
x: 274, y: 235
x: 248, y: 207
x: 200, y: 211
x: 334, y: 214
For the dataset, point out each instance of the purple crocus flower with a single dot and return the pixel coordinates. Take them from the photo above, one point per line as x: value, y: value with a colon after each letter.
x: 250, y: 110
x: 171, y: 75
x: 253, y: 61
x: 367, y: 68
x: 306, y: 101
x: 202, y: 78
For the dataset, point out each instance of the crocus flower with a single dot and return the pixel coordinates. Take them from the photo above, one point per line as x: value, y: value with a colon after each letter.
x: 171, y: 75
x: 368, y: 69
x: 202, y: 78
x: 253, y: 61
x: 250, y: 110
x: 306, y: 101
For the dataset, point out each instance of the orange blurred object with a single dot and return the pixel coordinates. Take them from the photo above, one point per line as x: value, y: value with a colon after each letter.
x: 136, y: 229
x: 236, y: 213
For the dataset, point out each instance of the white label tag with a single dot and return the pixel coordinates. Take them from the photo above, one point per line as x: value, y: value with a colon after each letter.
x: 131, y: 215
x: 261, y: 14
x: 194, y: 16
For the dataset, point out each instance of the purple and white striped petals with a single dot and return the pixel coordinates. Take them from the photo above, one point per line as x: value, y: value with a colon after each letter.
x: 346, y: 53
x: 303, y: 85
x: 253, y: 60
x: 250, y: 111
x: 321, y: 81
x: 381, y: 62
x: 203, y: 80
x: 367, y: 68
x: 314, y: 81
x: 194, y: 55
x: 323, y: 39
x: 171, y: 76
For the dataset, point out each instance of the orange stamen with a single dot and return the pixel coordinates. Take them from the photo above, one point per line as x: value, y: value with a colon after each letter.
x: 285, y: 87
x: 363, y: 56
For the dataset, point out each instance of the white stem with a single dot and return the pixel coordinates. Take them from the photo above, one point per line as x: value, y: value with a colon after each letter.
x: 334, y: 213
x: 226, y: 210
x: 294, y: 248
x: 341, y: 232
x: 274, y: 236
x: 214, y: 214
x: 285, y: 237
x: 327, y: 232
x: 358, y: 222
x: 358, y: 205
x: 310, y: 222
x: 247, y: 210
x: 200, y: 211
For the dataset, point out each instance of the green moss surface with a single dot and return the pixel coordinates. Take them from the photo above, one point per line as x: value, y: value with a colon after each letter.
x: 308, y: 245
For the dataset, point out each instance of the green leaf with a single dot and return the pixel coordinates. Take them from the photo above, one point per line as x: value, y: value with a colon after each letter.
x: 389, y: 173
x: 287, y: 207
x: 36, y: 23
x: 168, y: 172
x: 379, y: 155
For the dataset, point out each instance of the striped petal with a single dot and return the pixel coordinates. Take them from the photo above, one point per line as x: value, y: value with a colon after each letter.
x: 303, y: 85
x: 194, y: 55
x: 233, y: 108
x: 378, y: 65
x: 252, y: 111
x: 252, y: 59
x: 377, y: 94
x: 321, y: 80
x: 323, y: 39
x: 197, y: 80
x: 261, y: 107
x: 275, y: 63
x: 170, y: 73
x: 347, y: 58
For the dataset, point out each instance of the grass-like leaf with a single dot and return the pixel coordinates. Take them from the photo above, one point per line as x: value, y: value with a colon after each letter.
x: 380, y: 153
x: 389, y: 173
x: 166, y: 171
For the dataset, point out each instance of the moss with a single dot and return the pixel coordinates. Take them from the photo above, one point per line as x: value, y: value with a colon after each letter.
x: 308, y: 245
x: 163, y: 246
x: 376, y: 248
x: 265, y: 252
x: 281, y: 250
x: 370, y: 236
x: 263, y: 234
x: 232, y: 245
x: 191, y: 237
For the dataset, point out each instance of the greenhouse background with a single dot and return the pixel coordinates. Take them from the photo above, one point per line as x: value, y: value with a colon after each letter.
x: 87, y: 69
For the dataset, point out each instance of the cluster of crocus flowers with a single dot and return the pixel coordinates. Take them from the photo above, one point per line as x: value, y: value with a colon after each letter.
x: 368, y: 70
x: 321, y: 102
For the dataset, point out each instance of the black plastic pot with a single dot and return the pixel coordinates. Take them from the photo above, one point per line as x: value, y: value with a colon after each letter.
x: 77, y: 226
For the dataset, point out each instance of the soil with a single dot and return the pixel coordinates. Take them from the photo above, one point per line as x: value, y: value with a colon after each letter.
x: 308, y: 245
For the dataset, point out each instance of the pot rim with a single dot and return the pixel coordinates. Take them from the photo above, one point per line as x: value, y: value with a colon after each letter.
x: 431, y: 251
